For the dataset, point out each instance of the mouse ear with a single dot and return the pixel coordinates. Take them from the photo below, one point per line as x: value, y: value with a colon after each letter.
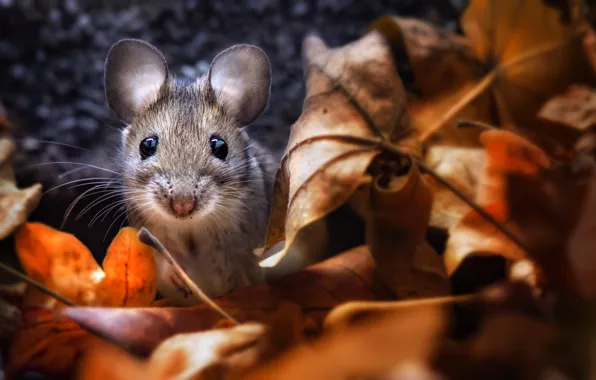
x: 241, y: 78
x: 134, y: 73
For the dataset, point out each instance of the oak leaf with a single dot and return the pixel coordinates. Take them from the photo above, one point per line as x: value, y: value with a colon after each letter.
x: 502, y: 57
x: 63, y: 264
x: 307, y: 295
x: 506, y: 153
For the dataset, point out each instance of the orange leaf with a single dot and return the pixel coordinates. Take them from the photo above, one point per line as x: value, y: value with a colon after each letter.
x: 62, y: 263
x: 46, y: 343
x: 59, y: 261
x: 130, y: 271
x: 310, y: 293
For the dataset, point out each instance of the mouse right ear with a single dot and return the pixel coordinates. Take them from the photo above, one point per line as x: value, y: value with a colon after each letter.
x: 134, y: 73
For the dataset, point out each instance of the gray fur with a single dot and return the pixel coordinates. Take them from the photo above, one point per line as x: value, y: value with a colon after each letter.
x: 215, y: 243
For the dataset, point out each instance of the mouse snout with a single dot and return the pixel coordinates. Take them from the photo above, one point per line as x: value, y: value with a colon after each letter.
x: 183, y: 205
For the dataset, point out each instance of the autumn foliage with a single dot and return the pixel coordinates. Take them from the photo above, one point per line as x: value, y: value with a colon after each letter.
x: 493, y: 157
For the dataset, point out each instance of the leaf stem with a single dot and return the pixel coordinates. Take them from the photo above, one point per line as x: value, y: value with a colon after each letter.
x: 460, y: 104
x: 481, y: 211
x: 146, y: 237
x: 39, y: 286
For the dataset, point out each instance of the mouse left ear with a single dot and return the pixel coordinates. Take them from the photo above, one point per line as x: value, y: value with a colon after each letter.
x: 241, y: 78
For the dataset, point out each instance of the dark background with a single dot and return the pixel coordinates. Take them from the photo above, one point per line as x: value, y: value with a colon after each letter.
x: 51, y: 73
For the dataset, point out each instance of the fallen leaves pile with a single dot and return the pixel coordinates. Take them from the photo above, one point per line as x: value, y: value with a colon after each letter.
x: 493, y: 157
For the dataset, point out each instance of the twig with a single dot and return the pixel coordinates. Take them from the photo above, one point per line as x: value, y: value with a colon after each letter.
x: 146, y: 237
x: 38, y: 285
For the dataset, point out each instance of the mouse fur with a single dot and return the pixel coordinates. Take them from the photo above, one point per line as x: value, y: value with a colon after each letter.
x: 214, y: 242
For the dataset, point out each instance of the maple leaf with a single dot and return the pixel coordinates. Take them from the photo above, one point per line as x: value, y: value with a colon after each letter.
x: 500, y: 62
x: 307, y: 295
x: 47, y: 342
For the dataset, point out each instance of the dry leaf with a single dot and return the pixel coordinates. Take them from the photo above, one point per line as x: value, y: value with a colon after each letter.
x: 15, y: 204
x: 372, y: 349
x: 307, y: 295
x: 509, y: 41
x: 354, y: 110
x: 445, y: 70
x: 214, y: 354
x: 62, y: 263
x: 130, y: 273
x: 553, y: 213
x: 461, y: 167
x: 575, y: 108
x: 48, y: 343
x: 506, y: 153
x: 397, y: 215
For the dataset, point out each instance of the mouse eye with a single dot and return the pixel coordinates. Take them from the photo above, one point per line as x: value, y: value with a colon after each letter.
x: 148, y: 147
x: 219, y: 148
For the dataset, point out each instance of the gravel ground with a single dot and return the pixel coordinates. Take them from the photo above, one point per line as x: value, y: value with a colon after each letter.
x: 51, y: 70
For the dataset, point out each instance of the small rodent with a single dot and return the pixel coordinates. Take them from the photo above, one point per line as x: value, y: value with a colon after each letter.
x: 191, y: 174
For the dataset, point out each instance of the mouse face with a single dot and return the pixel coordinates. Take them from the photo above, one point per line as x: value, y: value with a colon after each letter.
x: 184, y: 155
x: 185, y: 159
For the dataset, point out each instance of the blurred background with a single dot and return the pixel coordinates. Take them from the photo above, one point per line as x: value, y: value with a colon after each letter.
x: 51, y: 75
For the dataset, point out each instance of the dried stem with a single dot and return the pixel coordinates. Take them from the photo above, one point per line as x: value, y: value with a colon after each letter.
x: 41, y: 287
x: 146, y: 237
x: 482, y: 212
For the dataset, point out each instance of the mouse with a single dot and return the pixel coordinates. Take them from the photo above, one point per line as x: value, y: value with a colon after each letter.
x: 190, y: 173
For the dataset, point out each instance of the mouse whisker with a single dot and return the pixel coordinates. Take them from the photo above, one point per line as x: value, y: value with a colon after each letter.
x: 71, y: 163
x: 53, y: 142
x: 86, y: 193
x: 85, y: 180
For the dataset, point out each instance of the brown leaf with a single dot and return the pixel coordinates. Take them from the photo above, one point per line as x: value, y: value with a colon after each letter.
x: 553, y: 214
x: 506, y: 153
x: 15, y: 204
x: 371, y: 349
x: 445, y: 70
x: 397, y: 215
x: 307, y: 295
x: 355, y: 103
x: 510, y: 44
x: 462, y: 168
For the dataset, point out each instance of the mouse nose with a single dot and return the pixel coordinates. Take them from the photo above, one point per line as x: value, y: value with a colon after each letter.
x: 183, y: 204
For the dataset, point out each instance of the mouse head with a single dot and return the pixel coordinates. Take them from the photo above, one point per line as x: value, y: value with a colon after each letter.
x: 184, y: 153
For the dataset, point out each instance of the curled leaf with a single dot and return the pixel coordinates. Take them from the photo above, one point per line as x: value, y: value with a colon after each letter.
x: 397, y: 215
x: 355, y: 102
